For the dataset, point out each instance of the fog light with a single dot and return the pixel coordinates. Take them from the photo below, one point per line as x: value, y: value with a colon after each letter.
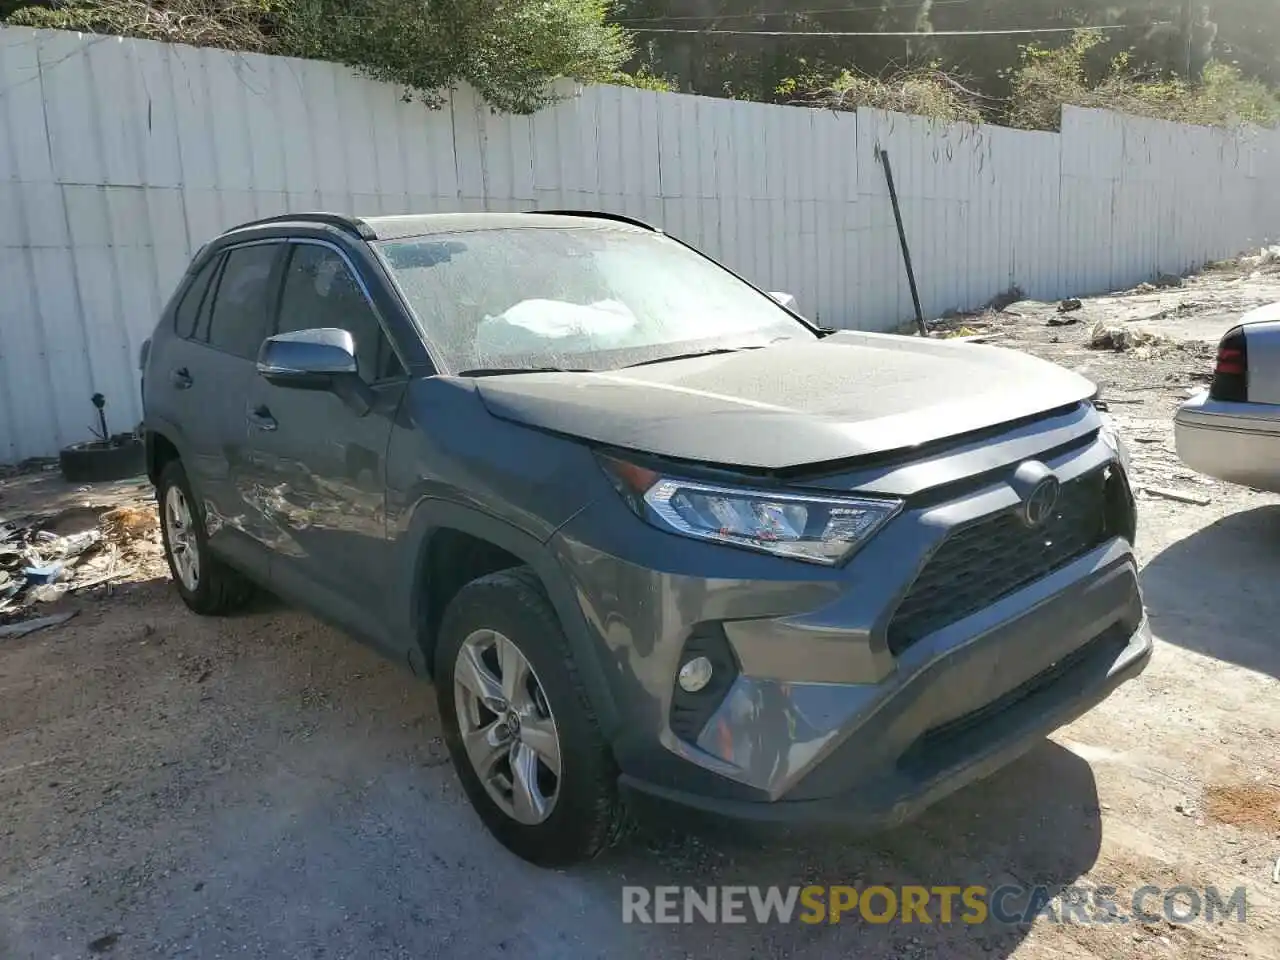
x: 695, y: 675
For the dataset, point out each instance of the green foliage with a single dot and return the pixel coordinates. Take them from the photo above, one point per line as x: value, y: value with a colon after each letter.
x: 643, y: 79
x: 235, y: 24
x: 1048, y: 79
x: 925, y: 91
x: 1237, y: 98
x: 1163, y: 38
x: 510, y: 51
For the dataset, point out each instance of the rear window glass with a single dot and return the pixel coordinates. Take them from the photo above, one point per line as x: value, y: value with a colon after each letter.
x: 187, y: 315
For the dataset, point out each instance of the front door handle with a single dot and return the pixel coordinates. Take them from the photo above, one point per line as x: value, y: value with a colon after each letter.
x: 260, y: 418
x: 180, y: 378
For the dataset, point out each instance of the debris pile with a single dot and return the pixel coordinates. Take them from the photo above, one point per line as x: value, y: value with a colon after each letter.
x: 961, y: 332
x: 1003, y: 301
x: 1113, y: 336
x: 126, y: 525
x: 1268, y: 258
x: 44, y: 557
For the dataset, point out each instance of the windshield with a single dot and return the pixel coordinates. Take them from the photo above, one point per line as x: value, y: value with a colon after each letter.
x: 594, y: 297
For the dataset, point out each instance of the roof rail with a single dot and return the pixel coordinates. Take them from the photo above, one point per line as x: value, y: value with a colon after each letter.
x: 341, y: 221
x: 599, y: 215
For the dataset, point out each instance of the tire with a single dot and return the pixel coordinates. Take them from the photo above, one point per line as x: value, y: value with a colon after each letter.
x: 587, y: 815
x: 97, y: 461
x: 217, y: 589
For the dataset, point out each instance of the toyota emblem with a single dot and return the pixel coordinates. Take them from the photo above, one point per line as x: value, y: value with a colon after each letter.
x: 1041, y: 502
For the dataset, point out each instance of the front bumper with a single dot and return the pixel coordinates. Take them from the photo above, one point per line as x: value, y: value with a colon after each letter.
x: 822, y: 719
x: 876, y: 785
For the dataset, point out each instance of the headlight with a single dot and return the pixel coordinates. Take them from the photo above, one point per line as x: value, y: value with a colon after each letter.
x: 816, y: 529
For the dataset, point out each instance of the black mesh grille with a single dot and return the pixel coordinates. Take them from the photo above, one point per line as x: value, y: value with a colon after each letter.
x: 991, y: 558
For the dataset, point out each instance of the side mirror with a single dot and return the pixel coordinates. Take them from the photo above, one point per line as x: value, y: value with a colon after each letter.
x: 786, y: 299
x: 308, y: 359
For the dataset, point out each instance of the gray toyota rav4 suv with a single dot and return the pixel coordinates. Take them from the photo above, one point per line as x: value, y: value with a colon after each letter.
x: 647, y: 530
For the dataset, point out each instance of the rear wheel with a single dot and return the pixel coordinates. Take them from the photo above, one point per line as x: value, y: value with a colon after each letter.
x: 206, y: 584
x: 518, y: 724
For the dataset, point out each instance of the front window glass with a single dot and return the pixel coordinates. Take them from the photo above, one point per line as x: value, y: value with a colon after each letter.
x: 239, y: 321
x: 594, y: 297
x: 320, y: 291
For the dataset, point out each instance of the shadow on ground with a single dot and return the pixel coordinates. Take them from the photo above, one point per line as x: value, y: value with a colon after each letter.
x: 261, y: 785
x: 1034, y: 824
x: 1216, y: 591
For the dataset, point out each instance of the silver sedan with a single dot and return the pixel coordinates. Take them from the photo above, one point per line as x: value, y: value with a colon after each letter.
x: 1232, y: 430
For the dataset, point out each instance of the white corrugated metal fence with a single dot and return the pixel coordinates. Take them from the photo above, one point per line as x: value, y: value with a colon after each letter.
x: 118, y: 158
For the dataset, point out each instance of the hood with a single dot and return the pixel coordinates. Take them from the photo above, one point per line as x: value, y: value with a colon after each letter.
x: 794, y: 403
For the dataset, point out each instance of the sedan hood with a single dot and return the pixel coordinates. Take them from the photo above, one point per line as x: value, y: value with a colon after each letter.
x: 794, y: 403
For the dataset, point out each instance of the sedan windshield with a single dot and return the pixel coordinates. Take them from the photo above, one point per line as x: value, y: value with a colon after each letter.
x: 590, y: 297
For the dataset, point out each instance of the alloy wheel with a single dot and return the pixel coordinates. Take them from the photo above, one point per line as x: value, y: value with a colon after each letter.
x: 184, y: 548
x: 508, y: 731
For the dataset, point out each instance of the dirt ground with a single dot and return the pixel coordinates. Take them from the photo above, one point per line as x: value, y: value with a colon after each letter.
x: 260, y: 786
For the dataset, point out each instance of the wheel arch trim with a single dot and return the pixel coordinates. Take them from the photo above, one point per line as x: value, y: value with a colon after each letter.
x: 430, y: 515
x: 153, y: 427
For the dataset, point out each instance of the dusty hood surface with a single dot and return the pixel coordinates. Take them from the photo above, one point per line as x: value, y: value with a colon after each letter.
x: 848, y: 395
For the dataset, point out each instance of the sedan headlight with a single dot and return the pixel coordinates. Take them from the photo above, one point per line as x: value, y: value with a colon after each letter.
x: 816, y: 529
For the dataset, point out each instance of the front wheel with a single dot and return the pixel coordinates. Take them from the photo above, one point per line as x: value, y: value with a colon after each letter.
x: 518, y: 724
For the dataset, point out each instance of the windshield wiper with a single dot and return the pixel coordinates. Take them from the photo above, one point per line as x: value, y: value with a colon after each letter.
x: 686, y: 356
x: 503, y: 371
x: 707, y: 353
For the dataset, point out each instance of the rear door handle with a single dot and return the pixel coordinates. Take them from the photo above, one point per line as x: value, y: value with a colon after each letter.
x: 260, y: 418
x: 180, y: 378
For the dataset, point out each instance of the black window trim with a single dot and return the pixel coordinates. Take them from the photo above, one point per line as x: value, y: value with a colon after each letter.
x: 223, y: 254
x: 214, y: 264
x: 274, y: 324
x: 435, y: 363
x: 208, y: 301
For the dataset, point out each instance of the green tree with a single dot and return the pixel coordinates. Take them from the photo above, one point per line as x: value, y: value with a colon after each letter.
x: 1048, y: 78
x: 510, y: 51
x: 1154, y: 33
